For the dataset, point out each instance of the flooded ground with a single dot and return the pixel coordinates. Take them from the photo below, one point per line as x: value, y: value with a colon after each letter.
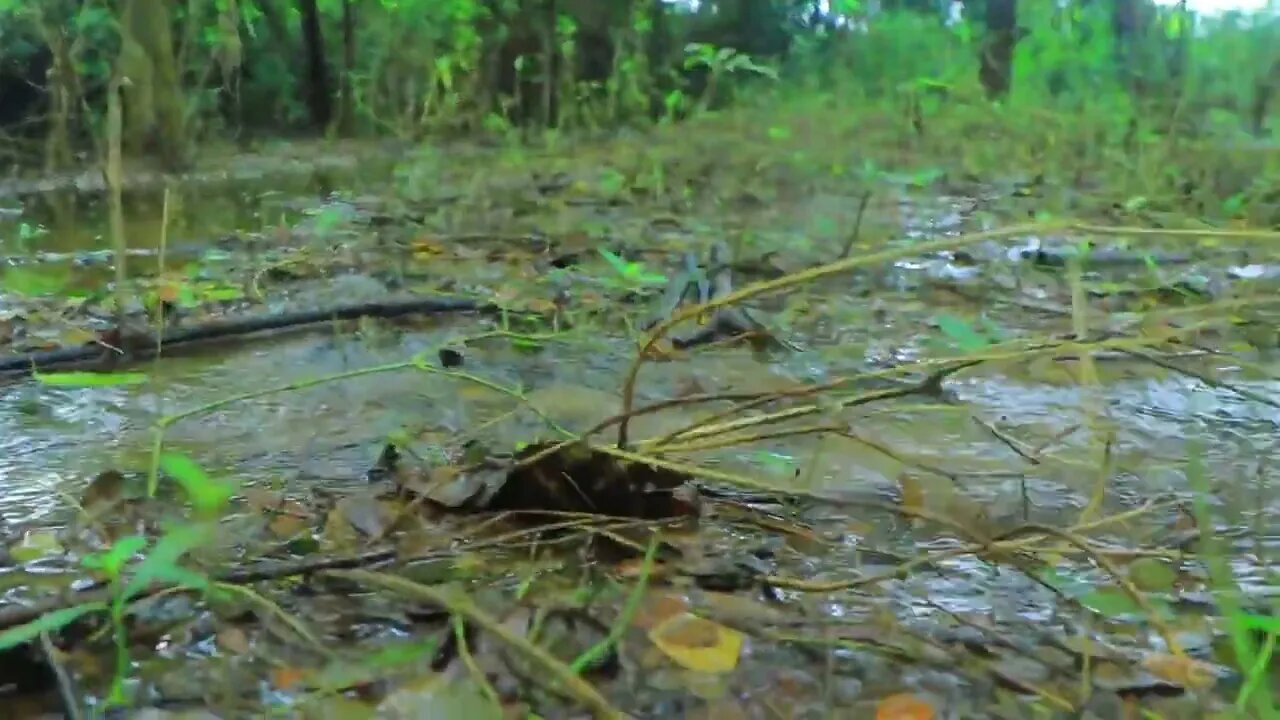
x: 855, y: 553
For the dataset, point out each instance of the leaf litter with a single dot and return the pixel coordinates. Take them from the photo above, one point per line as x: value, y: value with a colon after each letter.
x: 885, y: 520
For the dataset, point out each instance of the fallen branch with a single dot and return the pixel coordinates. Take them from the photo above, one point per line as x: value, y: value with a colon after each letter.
x: 142, y: 346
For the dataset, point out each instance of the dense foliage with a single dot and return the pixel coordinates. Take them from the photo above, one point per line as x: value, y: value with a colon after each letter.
x: 404, y: 66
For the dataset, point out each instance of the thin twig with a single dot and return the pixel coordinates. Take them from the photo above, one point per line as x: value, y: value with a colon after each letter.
x: 66, y: 687
x: 601, y: 649
x: 458, y: 604
x: 857, y: 225
x: 799, y: 278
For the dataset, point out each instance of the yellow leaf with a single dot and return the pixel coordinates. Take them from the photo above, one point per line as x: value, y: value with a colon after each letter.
x: 425, y: 247
x: 36, y: 544
x: 284, y: 678
x: 904, y: 706
x: 912, y: 492
x: 698, y: 644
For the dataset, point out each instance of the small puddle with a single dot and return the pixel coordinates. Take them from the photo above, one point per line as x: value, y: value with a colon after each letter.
x: 52, y: 439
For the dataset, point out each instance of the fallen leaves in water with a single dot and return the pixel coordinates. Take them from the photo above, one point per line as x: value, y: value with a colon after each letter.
x: 34, y: 545
x: 698, y: 644
x: 283, y: 678
x: 904, y: 706
x: 657, y: 608
x: 1181, y: 670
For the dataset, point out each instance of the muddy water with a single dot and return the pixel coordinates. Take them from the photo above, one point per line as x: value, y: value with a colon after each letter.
x: 52, y: 439
x: 64, y: 219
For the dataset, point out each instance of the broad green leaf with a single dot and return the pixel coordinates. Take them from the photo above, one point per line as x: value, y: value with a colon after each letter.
x: 34, y: 280
x: 1152, y: 575
x: 90, y: 379
x: 1110, y: 602
x: 961, y: 332
x: 1115, y: 603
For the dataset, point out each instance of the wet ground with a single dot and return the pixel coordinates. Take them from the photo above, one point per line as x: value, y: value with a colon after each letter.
x: 1022, y: 441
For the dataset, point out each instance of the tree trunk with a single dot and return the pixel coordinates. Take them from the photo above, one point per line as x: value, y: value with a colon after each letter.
x: 153, y: 113
x: 996, y: 72
x: 347, y: 112
x: 319, y: 98
x: 1263, y: 92
x: 64, y: 98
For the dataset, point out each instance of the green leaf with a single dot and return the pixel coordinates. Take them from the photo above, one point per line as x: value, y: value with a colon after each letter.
x: 35, y: 281
x: 224, y: 293
x: 775, y: 460
x: 632, y: 271
x: 162, y: 562
x: 613, y: 182
x: 113, y: 560
x: 926, y: 177
x: 961, y: 332
x: 1116, y: 603
x: 614, y: 260
x: 49, y: 622
x: 1135, y: 203
x: 994, y: 331
x: 90, y: 379
x: 1065, y: 584
x: 1152, y: 574
x: 206, y: 494
x: 1262, y: 623
x: 648, y: 278
x: 180, y: 576
x: 526, y: 345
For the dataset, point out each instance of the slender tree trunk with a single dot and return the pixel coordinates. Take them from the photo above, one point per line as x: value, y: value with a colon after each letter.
x: 154, y: 103
x: 347, y: 112
x: 319, y: 98
x: 1263, y: 93
x: 63, y: 98
x: 996, y: 72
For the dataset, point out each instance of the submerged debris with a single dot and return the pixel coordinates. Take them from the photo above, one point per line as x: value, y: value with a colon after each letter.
x: 550, y: 478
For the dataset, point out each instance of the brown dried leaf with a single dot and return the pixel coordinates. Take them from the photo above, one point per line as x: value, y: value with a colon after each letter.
x: 234, y: 640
